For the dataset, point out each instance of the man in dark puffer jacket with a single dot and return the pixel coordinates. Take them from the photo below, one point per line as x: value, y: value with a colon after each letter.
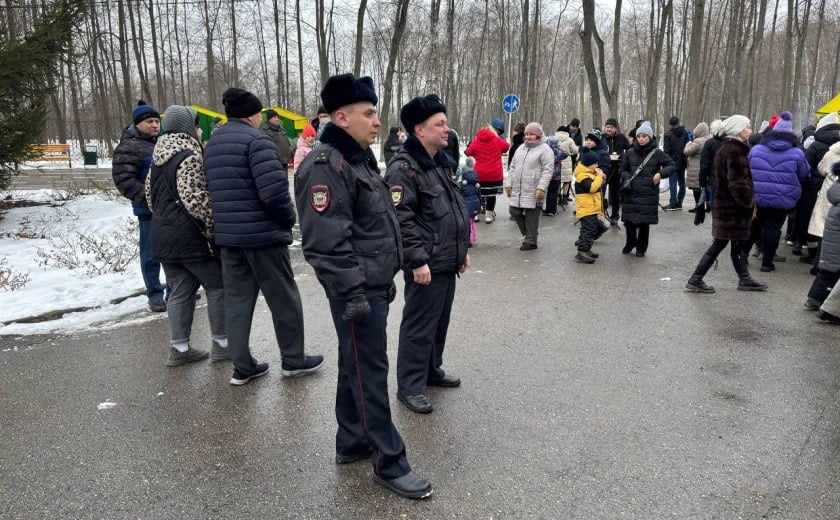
x: 130, y: 166
x: 254, y: 215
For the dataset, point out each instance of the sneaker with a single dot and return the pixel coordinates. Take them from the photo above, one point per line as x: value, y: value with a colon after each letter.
x: 477, y: 217
x: 591, y: 254
x: 640, y: 254
x: 673, y: 207
x: 789, y: 242
x: 584, y: 258
x: 310, y: 365
x: 158, y: 305
x: 527, y: 247
x: 178, y: 358
x: 812, y: 304
x: 488, y: 216
x: 240, y: 378
x: 218, y: 353
x: 627, y: 249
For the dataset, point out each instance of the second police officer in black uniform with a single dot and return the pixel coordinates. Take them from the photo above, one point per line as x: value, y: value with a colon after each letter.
x: 435, y: 231
x: 351, y: 237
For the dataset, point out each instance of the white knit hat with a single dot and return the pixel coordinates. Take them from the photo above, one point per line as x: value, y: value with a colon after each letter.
x: 827, y: 119
x: 734, y: 125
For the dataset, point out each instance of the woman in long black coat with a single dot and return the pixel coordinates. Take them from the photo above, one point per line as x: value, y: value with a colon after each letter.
x: 733, y: 209
x: 640, y: 202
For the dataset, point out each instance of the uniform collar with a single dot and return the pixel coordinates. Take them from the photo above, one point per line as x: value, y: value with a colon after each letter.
x: 416, y: 150
x: 349, y: 148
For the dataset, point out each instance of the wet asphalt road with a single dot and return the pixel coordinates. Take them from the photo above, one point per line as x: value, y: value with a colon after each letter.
x: 592, y: 392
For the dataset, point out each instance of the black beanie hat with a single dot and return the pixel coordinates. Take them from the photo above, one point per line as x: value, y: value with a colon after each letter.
x: 322, y: 110
x: 346, y: 89
x: 575, y: 122
x: 420, y: 109
x: 588, y: 158
x: 674, y: 121
x: 143, y: 111
x: 611, y: 121
x: 240, y: 103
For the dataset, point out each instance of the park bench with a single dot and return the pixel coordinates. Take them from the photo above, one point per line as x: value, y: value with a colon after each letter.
x: 52, y: 152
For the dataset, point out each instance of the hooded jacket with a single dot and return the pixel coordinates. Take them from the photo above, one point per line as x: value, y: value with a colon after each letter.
x: 692, y: 153
x: 778, y: 169
x: 824, y: 137
x: 830, y: 252
x: 130, y: 166
x: 487, y: 148
x: 817, y: 223
x: 302, y: 150
x: 531, y: 170
x: 433, y: 216
x: 641, y: 203
x: 588, y: 198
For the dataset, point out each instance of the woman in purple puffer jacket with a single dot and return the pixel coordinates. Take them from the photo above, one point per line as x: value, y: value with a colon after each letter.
x: 778, y: 167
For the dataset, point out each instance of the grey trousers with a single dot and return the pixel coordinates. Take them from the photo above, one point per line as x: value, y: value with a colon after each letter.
x: 831, y: 305
x: 528, y: 220
x: 183, y: 280
x: 246, y: 272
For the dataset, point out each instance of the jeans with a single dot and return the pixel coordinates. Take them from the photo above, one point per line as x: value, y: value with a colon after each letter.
x: 184, y: 279
x: 677, y: 179
x: 148, y: 266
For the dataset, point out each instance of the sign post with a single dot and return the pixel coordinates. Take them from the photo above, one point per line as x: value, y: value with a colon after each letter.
x: 510, y: 104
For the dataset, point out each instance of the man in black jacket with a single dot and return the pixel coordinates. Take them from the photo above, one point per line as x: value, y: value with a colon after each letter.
x: 253, y: 215
x: 351, y: 237
x: 130, y: 166
x: 435, y: 234
x: 617, y: 144
x: 275, y: 131
x: 674, y: 146
x: 577, y: 137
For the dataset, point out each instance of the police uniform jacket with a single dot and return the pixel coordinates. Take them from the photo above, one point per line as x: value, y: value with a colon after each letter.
x: 432, y: 213
x: 351, y: 235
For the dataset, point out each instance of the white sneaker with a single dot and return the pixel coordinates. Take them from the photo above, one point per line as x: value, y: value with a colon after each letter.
x: 488, y: 216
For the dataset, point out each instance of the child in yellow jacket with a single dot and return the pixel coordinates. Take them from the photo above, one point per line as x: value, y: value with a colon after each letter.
x: 588, y: 204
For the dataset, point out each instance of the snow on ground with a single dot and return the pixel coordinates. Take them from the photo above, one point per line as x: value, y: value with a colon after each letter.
x: 53, y: 288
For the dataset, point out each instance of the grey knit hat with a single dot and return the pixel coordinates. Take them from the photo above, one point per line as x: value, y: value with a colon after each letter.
x: 178, y: 119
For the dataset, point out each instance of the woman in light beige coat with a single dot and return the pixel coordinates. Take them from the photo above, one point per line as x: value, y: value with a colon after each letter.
x: 567, y: 144
x: 692, y: 154
x: 816, y: 226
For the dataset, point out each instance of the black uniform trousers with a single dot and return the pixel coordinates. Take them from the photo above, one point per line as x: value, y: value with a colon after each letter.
x: 425, y: 322
x: 361, y: 401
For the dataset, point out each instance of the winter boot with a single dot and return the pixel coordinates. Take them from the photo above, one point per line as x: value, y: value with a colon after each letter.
x: 696, y: 283
x: 745, y: 281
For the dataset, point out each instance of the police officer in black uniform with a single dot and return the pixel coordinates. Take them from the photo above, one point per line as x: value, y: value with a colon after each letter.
x: 435, y: 232
x: 351, y: 237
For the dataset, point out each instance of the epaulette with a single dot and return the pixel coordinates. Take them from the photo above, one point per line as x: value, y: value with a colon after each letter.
x: 323, y: 157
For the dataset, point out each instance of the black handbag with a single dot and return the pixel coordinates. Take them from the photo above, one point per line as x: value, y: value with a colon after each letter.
x: 627, y: 185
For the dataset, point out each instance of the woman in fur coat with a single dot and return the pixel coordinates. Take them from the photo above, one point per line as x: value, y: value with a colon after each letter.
x: 733, y: 209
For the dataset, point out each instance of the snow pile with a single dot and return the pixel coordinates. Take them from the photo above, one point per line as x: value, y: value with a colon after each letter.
x: 35, y: 241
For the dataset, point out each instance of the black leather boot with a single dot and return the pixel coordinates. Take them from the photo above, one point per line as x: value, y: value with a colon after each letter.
x: 696, y: 283
x: 745, y: 281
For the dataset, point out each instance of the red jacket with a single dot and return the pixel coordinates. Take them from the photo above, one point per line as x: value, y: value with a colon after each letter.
x: 487, y: 149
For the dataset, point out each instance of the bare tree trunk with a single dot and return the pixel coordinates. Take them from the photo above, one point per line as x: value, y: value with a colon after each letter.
x: 610, y: 90
x: 141, y: 71
x: 124, y: 58
x: 210, y: 56
x: 400, y: 18
x: 524, y: 54
x: 302, y: 105
x: 694, y: 109
x: 278, y: 53
x: 812, y: 84
x: 481, y: 49
x: 802, y: 30
x: 321, y: 40
x: 669, y: 67
x: 787, y: 90
x: 651, y: 106
x: 159, y: 78
x: 360, y: 37
x: 586, y: 35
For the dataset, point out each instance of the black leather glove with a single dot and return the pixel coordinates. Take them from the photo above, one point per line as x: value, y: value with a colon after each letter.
x: 356, y: 309
x: 392, y: 292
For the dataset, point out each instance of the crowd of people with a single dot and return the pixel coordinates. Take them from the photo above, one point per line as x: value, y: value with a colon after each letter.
x: 220, y: 216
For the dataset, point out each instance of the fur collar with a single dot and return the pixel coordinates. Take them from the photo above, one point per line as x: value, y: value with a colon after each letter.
x: 346, y: 145
x: 413, y: 148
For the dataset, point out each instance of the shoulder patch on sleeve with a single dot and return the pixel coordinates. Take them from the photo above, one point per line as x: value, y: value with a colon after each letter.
x: 320, y: 197
x: 396, y: 194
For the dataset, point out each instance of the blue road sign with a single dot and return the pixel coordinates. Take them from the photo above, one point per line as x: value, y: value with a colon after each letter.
x: 510, y: 104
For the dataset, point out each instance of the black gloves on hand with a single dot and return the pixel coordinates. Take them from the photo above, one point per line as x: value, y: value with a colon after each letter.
x: 356, y: 309
x: 392, y: 292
